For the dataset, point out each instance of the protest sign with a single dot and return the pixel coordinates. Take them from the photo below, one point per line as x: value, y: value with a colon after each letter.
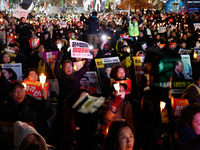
x: 77, y: 19
x: 172, y: 45
x: 196, y: 25
x: 144, y: 46
x: 126, y: 37
x: 138, y: 62
x: 184, y: 51
x: 14, y: 70
x: 161, y: 45
x: 178, y: 105
x: 161, y: 29
x: 11, y: 51
x: 50, y: 57
x: 91, y: 83
x: 183, y: 79
x: 63, y: 24
x: 78, y: 65
x: 171, y: 20
x: 104, y: 66
x: 34, y: 88
x: 34, y: 42
x: 127, y: 82
x: 148, y: 31
x: 80, y: 49
x: 10, y: 39
x: 19, y: 12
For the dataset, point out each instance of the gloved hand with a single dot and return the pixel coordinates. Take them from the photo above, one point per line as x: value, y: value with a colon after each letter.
x: 43, y: 62
x: 117, y: 101
x: 60, y: 55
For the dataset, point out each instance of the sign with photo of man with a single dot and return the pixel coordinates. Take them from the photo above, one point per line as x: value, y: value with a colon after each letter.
x: 90, y: 82
x: 182, y: 75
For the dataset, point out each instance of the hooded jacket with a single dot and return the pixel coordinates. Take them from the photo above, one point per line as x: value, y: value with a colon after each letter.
x: 21, y: 130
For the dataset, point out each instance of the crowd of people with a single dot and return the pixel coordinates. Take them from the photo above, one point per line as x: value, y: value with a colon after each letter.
x: 124, y: 120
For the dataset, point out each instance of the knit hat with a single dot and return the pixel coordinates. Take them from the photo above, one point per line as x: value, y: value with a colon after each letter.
x: 21, y: 130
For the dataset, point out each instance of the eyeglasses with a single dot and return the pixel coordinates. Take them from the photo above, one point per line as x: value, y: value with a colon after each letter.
x: 18, y: 91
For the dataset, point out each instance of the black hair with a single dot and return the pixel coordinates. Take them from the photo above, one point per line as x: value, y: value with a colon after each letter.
x: 177, y: 63
x: 85, y: 77
x: 14, y: 75
x: 28, y: 71
x: 111, y: 141
x: 4, y: 53
x: 188, y: 113
x: 196, y: 75
x: 115, y: 70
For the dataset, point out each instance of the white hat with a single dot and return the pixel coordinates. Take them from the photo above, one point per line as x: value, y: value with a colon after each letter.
x: 21, y: 130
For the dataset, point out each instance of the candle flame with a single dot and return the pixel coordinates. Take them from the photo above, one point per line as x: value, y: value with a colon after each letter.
x: 195, y: 55
x: 162, y: 105
x: 116, y: 86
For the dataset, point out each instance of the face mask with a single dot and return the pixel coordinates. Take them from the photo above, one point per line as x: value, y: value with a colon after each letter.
x: 32, y: 147
x: 73, y: 36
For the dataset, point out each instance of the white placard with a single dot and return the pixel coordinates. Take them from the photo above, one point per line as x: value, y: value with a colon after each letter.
x: 18, y: 13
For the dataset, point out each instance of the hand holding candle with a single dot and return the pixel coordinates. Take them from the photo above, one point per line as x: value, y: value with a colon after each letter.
x: 59, y: 45
x: 42, y: 80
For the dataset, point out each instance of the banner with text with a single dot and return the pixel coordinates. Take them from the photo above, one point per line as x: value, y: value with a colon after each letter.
x: 34, y: 88
x: 80, y: 49
x: 50, y: 57
x: 19, y: 12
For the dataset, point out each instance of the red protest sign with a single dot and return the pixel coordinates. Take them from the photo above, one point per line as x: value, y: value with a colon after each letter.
x: 178, y: 105
x: 161, y: 45
x: 79, y: 24
x: 34, y: 42
x: 172, y: 45
x: 127, y: 82
x: 171, y: 20
x: 34, y: 88
x: 10, y: 39
x: 125, y: 37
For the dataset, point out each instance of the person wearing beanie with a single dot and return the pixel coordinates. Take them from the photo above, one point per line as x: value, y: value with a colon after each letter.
x: 27, y: 138
x: 93, y: 25
x: 68, y: 79
x: 22, y: 107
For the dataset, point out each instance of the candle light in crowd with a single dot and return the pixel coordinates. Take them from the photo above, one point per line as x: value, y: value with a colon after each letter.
x: 195, y: 55
x: 42, y: 79
x: 24, y: 84
x: 59, y: 45
x: 117, y: 87
x: 162, y: 105
x: 128, y: 50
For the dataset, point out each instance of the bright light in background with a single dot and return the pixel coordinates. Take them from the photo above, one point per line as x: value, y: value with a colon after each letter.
x: 104, y: 37
x: 91, y: 47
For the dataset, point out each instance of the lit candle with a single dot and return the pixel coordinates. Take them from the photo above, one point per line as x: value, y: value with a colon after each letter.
x: 59, y: 45
x: 195, y: 55
x: 116, y: 86
x: 162, y: 105
x: 42, y: 79
x: 24, y: 84
x: 128, y: 50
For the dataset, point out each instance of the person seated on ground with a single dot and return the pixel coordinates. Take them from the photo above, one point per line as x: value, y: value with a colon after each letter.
x: 120, y: 136
x: 118, y: 107
x: 117, y: 74
x: 27, y: 138
x: 192, y: 92
x: 68, y: 80
x: 189, y: 128
x: 23, y: 107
